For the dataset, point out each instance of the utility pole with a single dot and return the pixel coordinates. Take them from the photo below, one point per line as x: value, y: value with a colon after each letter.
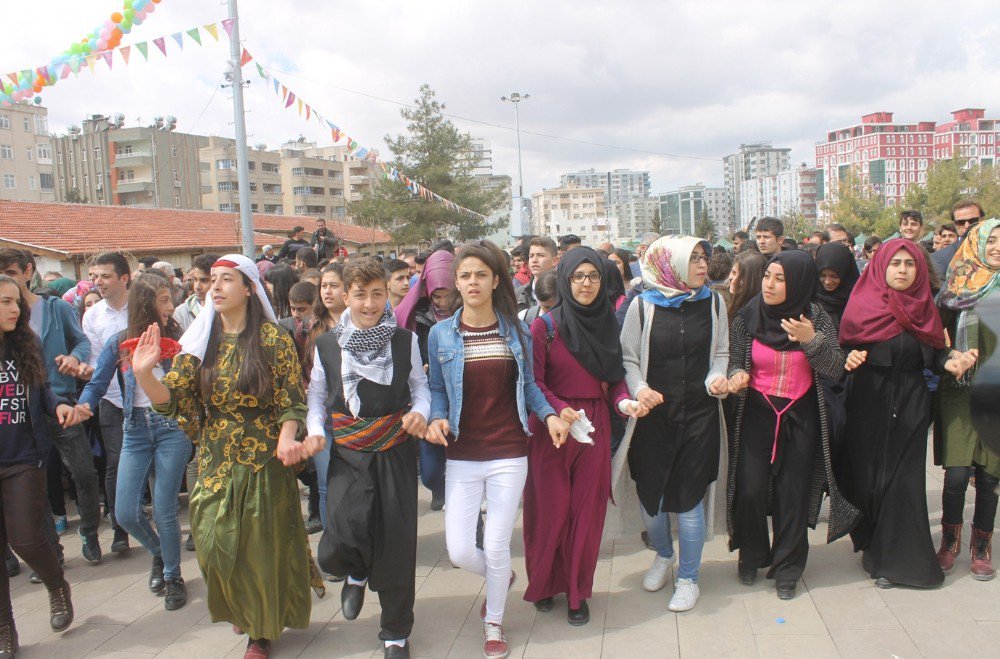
x: 235, y: 78
x: 516, y: 229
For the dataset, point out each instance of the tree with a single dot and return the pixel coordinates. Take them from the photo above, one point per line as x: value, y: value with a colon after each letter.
x: 704, y: 227
x: 73, y: 196
x: 435, y: 154
x: 857, y: 206
x: 795, y: 224
x: 949, y: 181
x: 657, y: 225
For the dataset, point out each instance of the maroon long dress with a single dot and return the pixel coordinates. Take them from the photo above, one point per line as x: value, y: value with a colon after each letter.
x: 567, y: 491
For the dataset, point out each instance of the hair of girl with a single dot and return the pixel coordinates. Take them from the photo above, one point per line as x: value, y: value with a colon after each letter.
x: 503, y: 300
x: 142, y: 306
x: 21, y: 344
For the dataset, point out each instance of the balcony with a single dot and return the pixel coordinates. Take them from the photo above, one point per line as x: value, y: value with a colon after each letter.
x: 125, y: 187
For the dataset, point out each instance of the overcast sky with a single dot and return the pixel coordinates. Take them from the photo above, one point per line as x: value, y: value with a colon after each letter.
x: 671, y: 78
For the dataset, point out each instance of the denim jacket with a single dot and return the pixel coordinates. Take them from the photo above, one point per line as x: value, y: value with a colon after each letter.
x: 446, y: 353
x: 62, y: 335
x: 105, y: 371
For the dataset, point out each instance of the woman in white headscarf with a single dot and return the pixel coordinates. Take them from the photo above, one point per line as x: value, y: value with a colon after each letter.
x: 237, y: 387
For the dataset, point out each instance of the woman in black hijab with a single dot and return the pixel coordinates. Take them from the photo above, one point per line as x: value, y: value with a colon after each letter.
x: 614, y: 284
x: 838, y: 273
x: 577, y: 357
x: 780, y: 345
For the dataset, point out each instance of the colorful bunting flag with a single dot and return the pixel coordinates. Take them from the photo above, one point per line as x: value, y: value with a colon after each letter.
x: 143, y: 48
x: 161, y: 44
x: 179, y: 38
x: 90, y: 62
x: 245, y: 58
x: 65, y: 72
x: 125, y: 50
x: 212, y: 29
x: 307, y: 112
x: 227, y: 25
x: 43, y: 71
x: 290, y: 99
x: 195, y: 35
x: 300, y: 106
x: 74, y: 65
x: 260, y: 71
x: 108, y: 55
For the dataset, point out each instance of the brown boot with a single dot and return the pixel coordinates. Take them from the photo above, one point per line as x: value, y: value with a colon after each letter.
x: 951, y: 544
x: 8, y: 640
x: 980, y: 546
x: 60, y: 607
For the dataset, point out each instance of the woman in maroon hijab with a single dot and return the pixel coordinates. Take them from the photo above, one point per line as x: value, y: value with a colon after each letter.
x: 893, y: 330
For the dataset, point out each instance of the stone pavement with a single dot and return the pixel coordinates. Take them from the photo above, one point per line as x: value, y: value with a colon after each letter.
x: 837, y: 611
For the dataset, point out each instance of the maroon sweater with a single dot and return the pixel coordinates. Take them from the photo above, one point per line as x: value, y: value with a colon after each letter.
x: 489, y: 428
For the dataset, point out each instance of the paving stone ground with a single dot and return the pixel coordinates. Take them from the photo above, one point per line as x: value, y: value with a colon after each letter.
x: 837, y: 613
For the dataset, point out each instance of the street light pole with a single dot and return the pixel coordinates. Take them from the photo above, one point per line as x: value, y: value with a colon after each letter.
x: 235, y: 77
x: 515, y: 98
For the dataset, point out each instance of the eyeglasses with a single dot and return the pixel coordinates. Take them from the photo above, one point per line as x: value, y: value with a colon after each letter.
x: 698, y: 257
x: 578, y: 277
x: 971, y: 220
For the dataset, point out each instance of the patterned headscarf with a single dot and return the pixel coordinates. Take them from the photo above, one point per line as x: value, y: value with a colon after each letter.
x: 365, y: 354
x: 970, y: 277
x: 665, y: 269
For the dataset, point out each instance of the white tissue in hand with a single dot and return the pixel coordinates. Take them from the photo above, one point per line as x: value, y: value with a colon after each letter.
x: 582, y: 428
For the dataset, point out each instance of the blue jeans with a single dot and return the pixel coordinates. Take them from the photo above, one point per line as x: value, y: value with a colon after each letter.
x: 691, y: 538
x: 153, y: 444
x: 432, y: 461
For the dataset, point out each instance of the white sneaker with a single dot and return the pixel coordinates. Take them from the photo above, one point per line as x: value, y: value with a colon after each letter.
x: 686, y: 595
x: 658, y: 573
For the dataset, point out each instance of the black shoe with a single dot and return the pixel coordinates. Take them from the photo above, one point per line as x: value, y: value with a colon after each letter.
x: 397, y: 652
x: 156, y: 583
x: 333, y: 578
x: 13, y: 565
x: 437, y: 502
x: 91, y: 548
x: 60, y: 608
x: 545, y: 605
x: 352, y: 598
x: 8, y: 640
x: 579, y: 616
x: 189, y: 543
x: 120, y: 543
x: 748, y: 575
x: 177, y: 594
x: 884, y: 583
x: 786, y: 589
x: 34, y: 578
x: 314, y: 525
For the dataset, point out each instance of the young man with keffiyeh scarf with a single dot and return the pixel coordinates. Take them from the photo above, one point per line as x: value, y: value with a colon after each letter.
x: 368, y: 394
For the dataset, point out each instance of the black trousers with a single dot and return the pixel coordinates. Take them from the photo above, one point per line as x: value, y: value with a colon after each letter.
x: 956, y: 482
x: 113, y: 432
x: 792, y: 473
x: 371, y: 528
x: 23, y: 507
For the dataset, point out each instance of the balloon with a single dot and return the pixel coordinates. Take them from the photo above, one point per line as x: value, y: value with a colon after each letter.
x: 38, y: 100
x: 116, y: 18
x: 102, y: 44
x: 37, y: 88
x: 126, y: 27
x: 129, y: 4
x: 137, y: 21
x: 128, y: 14
x: 149, y: 8
x: 91, y: 45
x: 76, y: 49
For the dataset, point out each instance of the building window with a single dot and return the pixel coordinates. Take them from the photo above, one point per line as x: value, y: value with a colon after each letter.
x: 59, y: 157
x: 27, y: 125
x: 41, y: 125
x: 177, y: 201
x: 228, y: 186
x: 31, y: 182
x: 30, y: 156
x: 272, y: 188
x: 272, y: 209
x: 83, y: 155
x: 86, y: 180
x: 176, y: 178
x: 6, y: 152
x: 44, y: 152
x: 251, y: 165
x: 97, y: 153
x: 4, y: 121
x: 253, y: 208
x: 229, y: 208
x: 9, y: 182
x: 124, y: 150
x: 225, y: 164
x: 173, y: 150
x: 270, y: 168
x: 123, y: 175
x: 46, y: 181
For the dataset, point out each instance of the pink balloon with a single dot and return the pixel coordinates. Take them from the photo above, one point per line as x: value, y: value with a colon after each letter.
x: 149, y: 8
x: 102, y: 44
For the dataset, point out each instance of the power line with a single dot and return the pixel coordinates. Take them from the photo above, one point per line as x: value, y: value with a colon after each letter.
x: 501, y: 126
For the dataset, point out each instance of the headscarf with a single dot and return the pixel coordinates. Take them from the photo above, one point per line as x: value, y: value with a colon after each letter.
x: 865, y: 318
x: 665, y: 267
x: 589, y: 331
x: 264, y: 266
x: 61, y: 286
x: 970, y: 277
x: 195, y: 340
x: 763, y: 321
x: 836, y: 257
x: 613, y: 282
x: 437, y: 274
x: 78, y: 292
x: 365, y: 354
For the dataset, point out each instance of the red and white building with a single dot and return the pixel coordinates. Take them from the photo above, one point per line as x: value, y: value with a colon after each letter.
x: 969, y: 136
x: 887, y: 155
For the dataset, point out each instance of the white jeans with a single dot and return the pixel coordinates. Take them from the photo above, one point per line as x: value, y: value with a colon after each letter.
x: 465, y: 482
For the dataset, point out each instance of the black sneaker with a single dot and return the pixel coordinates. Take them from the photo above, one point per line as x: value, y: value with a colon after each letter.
x: 314, y: 525
x: 120, y: 543
x: 60, y: 608
x: 437, y: 502
x: 156, y: 583
x: 189, y: 543
x: 176, y: 596
x: 91, y: 548
x: 12, y: 564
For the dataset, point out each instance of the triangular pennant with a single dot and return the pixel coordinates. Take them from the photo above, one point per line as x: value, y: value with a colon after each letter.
x: 74, y: 65
x: 276, y: 83
x: 290, y: 99
x: 13, y: 77
x: 65, y: 72
x: 212, y: 29
x: 43, y: 71
x: 245, y: 57
x: 300, y: 106
x: 90, y: 62
x: 161, y: 44
x: 284, y: 93
x: 195, y: 35
x: 179, y: 38
x: 260, y: 71
x: 108, y: 56
x: 227, y: 25
x: 125, y: 50
x: 143, y: 48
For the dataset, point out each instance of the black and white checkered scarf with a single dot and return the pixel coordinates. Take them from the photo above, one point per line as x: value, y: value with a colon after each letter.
x: 365, y: 354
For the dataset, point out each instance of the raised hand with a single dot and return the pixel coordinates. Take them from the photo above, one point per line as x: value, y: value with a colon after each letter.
x: 800, y: 330
x: 147, y: 351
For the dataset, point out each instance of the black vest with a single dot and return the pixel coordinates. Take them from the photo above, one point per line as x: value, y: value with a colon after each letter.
x: 376, y: 399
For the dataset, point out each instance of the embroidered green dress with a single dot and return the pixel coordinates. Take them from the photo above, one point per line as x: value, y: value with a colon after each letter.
x: 245, y: 513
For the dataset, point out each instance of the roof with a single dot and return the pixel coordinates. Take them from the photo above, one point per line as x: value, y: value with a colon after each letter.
x: 82, y: 229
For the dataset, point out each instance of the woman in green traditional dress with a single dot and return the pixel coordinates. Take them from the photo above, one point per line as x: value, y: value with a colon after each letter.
x: 237, y: 386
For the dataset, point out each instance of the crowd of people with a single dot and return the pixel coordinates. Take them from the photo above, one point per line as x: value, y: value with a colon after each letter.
x: 564, y: 379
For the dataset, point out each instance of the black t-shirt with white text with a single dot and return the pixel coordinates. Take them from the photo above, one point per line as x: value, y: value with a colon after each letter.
x: 17, y: 443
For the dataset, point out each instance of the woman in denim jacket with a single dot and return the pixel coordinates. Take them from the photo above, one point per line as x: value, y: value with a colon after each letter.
x: 482, y: 357
x: 152, y: 443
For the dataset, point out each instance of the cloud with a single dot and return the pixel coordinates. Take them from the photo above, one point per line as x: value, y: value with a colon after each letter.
x: 666, y: 77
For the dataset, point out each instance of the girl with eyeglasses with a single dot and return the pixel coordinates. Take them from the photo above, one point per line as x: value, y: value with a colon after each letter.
x: 779, y: 458
x: 578, y: 366
x: 675, y: 344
